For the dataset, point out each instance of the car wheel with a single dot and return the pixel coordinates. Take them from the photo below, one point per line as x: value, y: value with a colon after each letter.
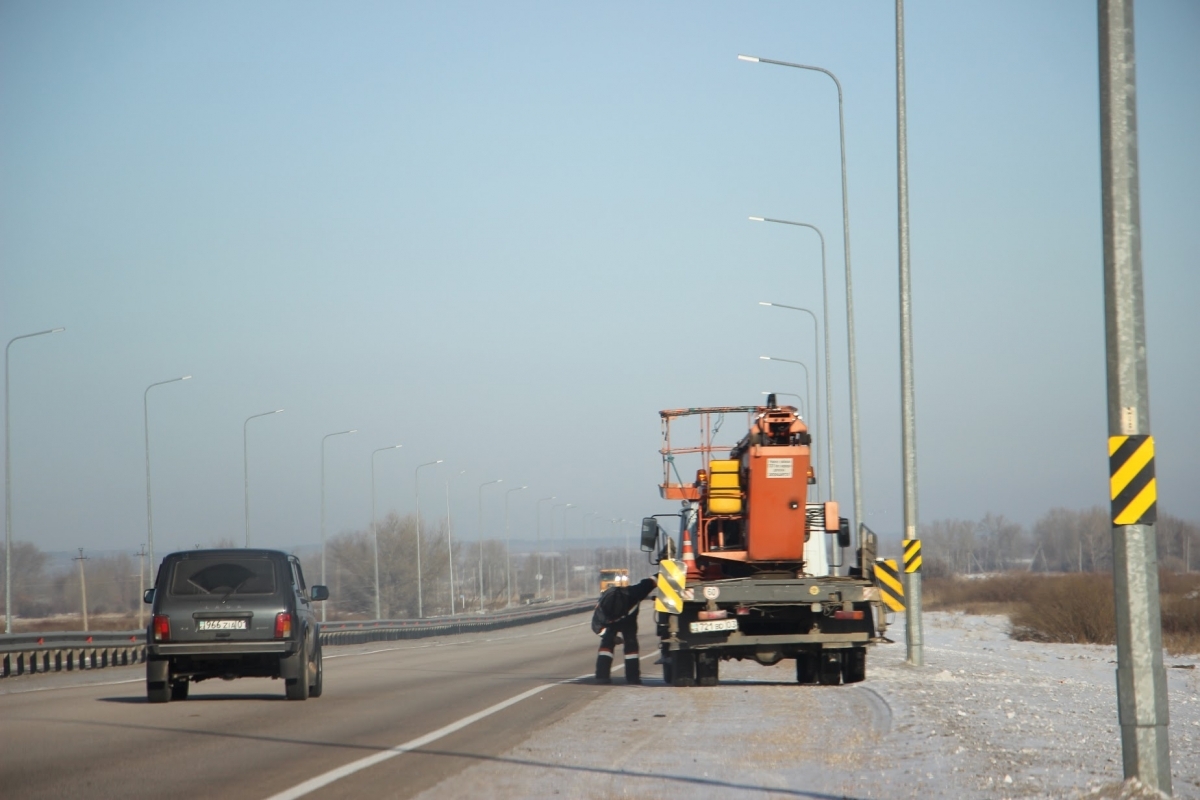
x: 179, y: 689
x: 297, y: 688
x: 158, y: 689
x: 319, y: 684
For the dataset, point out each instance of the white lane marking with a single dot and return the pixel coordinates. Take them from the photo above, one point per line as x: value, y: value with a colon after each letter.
x: 321, y: 781
x: 76, y: 686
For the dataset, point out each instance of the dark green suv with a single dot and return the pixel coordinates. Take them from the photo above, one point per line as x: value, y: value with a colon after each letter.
x: 232, y: 614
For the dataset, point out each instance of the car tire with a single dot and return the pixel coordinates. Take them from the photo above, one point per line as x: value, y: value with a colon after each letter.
x: 318, y: 685
x: 297, y: 688
x: 179, y: 689
x: 158, y: 686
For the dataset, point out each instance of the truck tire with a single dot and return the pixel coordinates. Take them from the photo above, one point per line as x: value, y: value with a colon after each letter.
x: 708, y: 669
x: 806, y: 668
x: 665, y: 658
x: 158, y: 686
x: 830, y: 673
x: 854, y: 665
x: 683, y: 668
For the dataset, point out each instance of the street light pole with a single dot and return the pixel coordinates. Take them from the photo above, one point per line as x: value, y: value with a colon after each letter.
x: 553, y: 574
x: 449, y: 545
x: 566, y: 570
x: 417, y: 492
x: 146, y: 427
x: 539, y: 541
x: 851, y: 361
x: 8, y: 485
x: 323, y: 583
x: 827, y: 428
x: 507, y: 553
x: 489, y: 483
x: 245, y: 470
x: 375, y: 529
x: 807, y: 384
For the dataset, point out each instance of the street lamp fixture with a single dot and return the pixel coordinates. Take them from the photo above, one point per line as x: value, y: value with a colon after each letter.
x: 851, y: 362
x: 8, y: 485
x: 245, y: 473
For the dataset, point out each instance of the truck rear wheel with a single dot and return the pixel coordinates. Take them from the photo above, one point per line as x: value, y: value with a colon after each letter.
x: 806, y: 668
x: 708, y: 669
x: 665, y: 658
x: 854, y: 665
x: 683, y: 668
x: 831, y: 668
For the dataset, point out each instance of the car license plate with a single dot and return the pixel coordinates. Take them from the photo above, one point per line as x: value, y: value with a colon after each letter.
x: 711, y: 625
x: 222, y: 625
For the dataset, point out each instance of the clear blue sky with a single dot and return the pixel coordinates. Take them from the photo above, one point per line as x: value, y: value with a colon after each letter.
x: 507, y: 234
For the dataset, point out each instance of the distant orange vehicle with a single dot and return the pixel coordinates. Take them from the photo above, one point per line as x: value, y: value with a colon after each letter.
x: 747, y: 575
x: 613, y: 577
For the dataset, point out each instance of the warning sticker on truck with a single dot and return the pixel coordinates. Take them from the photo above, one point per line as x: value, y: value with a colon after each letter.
x: 779, y: 467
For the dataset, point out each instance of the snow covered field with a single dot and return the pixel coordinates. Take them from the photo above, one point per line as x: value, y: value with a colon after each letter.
x: 986, y: 717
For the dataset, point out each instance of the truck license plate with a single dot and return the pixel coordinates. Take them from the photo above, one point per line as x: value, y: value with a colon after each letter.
x: 222, y: 625
x: 708, y: 626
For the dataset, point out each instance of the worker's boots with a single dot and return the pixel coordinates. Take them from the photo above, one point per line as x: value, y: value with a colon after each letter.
x: 633, y: 670
x: 604, y: 668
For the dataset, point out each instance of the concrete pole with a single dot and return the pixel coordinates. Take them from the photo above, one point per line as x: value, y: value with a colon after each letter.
x: 8, y: 487
x: 83, y: 588
x: 1141, y: 679
x: 913, y: 635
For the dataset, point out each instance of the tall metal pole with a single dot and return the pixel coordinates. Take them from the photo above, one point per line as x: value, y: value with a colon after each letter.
x: 851, y: 361
x: 827, y: 428
x: 83, y: 588
x: 141, y: 554
x: 539, y: 541
x: 375, y: 530
x: 1141, y: 679
x: 449, y: 545
x: 807, y: 379
x: 339, y: 433
x: 146, y: 421
x: 566, y: 565
x: 245, y: 468
x: 8, y: 486
x: 507, y: 553
x: 417, y: 492
x: 489, y: 483
x: 553, y: 574
x: 914, y: 634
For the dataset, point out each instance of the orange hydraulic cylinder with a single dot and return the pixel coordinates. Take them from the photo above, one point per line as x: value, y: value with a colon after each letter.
x: 777, y: 490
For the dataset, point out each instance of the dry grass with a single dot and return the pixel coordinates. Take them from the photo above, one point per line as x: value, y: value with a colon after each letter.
x: 1075, y: 608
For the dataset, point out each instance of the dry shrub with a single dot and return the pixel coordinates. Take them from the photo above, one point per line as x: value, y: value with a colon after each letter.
x: 982, y: 595
x: 1181, y: 612
x: 1075, y: 608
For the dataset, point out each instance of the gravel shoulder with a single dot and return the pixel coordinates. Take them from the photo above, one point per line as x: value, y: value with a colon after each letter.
x: 987, y: 717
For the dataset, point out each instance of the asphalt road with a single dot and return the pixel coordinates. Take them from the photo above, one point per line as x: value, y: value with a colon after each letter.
x: 94, y: 735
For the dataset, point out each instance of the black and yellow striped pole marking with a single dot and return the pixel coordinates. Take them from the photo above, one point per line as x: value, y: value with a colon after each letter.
x: 672, y: 577
x: 912, y: 555
x: 887, y: 578
x: 1132, y: 487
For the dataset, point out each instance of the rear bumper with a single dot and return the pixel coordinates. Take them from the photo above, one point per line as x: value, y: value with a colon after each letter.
x: 219, y: 649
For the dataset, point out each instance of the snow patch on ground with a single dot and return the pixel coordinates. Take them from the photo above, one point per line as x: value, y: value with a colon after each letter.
x: 986, y: 717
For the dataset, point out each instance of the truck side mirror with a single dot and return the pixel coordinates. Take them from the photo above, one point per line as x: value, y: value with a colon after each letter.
x: 649, y: 534
x: 843, y: 533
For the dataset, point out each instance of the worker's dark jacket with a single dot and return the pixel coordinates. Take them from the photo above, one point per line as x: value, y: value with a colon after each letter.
x: 619, y: 602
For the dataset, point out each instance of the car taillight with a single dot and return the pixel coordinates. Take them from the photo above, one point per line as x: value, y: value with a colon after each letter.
x: 283, y: 625
x: 847, y: 615
x: 162, y: 628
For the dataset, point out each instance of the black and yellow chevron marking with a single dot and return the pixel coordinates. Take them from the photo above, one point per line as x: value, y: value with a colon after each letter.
x: 672, y: 577
x: 887, y: 578
x: 1131, y: 483
x: 912, y: 555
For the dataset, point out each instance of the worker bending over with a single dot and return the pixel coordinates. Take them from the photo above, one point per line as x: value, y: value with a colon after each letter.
x: 616, y: 614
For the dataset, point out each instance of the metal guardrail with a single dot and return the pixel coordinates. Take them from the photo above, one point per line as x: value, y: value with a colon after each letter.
x: 58, y: 651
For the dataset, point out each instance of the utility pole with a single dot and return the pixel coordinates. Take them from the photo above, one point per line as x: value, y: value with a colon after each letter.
x: 82, y: 587
x: 1141, y: 679
x: 141, y: 554
x: 912, y: 592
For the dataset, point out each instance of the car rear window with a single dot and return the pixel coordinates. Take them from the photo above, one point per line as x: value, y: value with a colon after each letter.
x: 223, y: 576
